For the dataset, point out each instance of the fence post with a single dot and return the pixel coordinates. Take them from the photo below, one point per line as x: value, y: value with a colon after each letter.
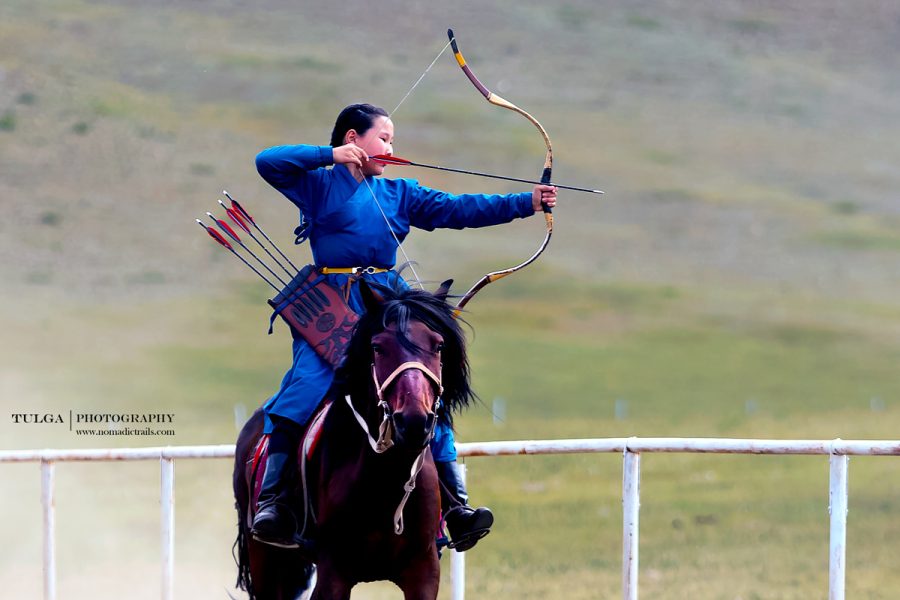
x: 631, y: 504
x: 49, y: 504
x: 167, y: 515
x: 458, y: 561
x: 837, y: 506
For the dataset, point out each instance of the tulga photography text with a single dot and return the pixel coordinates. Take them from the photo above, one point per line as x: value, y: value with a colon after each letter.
x: 106, y: 424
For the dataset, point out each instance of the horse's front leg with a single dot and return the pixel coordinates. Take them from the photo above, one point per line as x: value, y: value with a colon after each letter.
x: 421, y: 578
x: 329, y: 584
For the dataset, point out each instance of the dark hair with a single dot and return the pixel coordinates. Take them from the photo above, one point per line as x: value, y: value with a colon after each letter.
x: 356, y: 116
x: 401, y: 305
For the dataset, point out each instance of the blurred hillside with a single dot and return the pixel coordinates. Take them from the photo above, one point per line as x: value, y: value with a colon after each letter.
x: 740, y: 143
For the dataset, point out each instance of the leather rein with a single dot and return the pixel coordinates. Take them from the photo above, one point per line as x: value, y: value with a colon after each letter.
x: 385, y: 430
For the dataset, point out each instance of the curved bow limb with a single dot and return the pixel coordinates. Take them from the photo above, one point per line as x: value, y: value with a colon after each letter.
x: 545, y: 176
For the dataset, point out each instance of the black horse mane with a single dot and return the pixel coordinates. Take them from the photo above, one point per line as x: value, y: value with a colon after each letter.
x: 401, y: 305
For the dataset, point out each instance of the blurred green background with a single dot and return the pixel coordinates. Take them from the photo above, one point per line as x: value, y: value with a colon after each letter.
x: 739, y: 278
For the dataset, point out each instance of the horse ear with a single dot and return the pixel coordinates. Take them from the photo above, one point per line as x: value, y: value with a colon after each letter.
x: 444, y: 290
x: 372, y: 300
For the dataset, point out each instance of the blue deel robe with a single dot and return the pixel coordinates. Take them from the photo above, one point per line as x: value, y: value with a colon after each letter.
x: 347, y: 229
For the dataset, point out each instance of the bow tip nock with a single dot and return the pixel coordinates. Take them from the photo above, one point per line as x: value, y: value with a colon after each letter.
x: 453, y: 45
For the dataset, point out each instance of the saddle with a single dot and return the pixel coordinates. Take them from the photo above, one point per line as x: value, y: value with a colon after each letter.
x: 308, y: 442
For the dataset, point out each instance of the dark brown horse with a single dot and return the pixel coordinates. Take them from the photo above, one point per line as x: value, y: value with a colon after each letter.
x: 373, y: 485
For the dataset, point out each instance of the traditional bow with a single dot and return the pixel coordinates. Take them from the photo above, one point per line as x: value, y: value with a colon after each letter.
x: 545, y: 176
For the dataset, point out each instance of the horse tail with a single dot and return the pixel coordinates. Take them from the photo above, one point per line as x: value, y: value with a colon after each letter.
x: 240, y: 551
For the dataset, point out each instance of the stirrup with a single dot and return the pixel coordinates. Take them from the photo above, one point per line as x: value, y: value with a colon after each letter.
x: 277, y: 542
x: 468, y: 540
x: 307, y: 547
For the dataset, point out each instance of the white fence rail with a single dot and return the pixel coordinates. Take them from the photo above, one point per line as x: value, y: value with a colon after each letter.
x: 631, y: 448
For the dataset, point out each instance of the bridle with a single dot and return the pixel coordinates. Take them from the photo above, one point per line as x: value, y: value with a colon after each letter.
x: 385, y: 429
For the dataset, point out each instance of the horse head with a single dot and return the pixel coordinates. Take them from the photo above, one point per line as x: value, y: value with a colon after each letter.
x: 406, y: 373
x: 413, y: 353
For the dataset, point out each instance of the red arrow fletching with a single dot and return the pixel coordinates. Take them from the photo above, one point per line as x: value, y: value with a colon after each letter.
x: 237, y: 219
x: 391, y: 160
x: 218, y: 237
x: 240, y: 209
x: 215, y: 235
x: 227, y: 229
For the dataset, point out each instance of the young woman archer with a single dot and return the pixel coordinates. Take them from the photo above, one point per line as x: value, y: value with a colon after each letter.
x: 355, y: 221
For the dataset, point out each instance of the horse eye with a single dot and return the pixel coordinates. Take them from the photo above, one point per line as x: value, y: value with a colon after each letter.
x: 438, y: 347
x: 376, y: 349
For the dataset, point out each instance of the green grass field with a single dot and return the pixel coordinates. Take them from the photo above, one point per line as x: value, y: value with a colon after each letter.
x: 739, y: 279
x: 712, y: 526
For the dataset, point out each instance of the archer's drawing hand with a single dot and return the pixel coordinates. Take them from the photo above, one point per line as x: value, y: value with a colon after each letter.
x: 545, y: 194
x: 349, y: 154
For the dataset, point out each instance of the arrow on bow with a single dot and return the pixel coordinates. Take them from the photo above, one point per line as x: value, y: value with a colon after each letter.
x: 390, y: 159
x: 545, y: 176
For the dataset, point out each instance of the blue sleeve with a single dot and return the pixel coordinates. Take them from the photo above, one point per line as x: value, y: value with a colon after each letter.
x: 430, y: 209
x: 290, y: 169
x: 443, y: 444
